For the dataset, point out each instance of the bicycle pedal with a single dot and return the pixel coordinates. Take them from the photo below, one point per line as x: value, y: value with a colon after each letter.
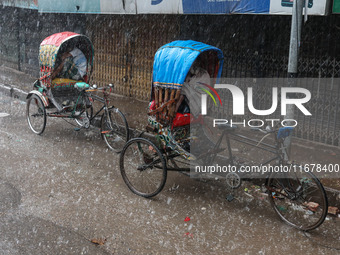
x: 230, y: 197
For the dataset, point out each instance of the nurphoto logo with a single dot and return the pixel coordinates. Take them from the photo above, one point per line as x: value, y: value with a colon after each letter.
x: 238, y: 103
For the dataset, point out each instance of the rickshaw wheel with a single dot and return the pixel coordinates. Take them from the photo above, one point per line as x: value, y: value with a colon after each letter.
x: 298, y: 198
x: 36, y: 114
x: 143, y: 167
x: 114, y: 129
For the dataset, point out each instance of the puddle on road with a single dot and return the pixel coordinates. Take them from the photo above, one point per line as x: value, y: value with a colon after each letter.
x: 10, y: 197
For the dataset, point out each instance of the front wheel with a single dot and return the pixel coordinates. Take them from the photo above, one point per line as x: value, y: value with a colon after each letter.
x: 298, y: 198
x: 36, y: 114
x: 114, y: 129
x: 143, y: 167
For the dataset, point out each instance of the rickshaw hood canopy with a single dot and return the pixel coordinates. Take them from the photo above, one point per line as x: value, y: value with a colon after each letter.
x: 172, y: 62
x: 58, y: 38
x: 50, y: 46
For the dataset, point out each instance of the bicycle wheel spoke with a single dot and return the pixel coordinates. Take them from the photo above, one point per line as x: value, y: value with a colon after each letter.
x: 299, y: 200
x: 36, y: 114
x: 143, y: 167
x: 114, y: 129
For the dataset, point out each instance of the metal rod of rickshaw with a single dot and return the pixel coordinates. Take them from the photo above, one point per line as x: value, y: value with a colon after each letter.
x: 166, y: 99
x: 160, y: 95
x: 97, y: 98
x: 217, y: 148
x: 97, y: 113
x: 178, y: 169
x: 254, y: 143
x: 156, y: 102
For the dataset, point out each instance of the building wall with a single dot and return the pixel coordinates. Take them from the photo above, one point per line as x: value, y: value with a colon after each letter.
x: 22, y: 31
x: 9, y: 33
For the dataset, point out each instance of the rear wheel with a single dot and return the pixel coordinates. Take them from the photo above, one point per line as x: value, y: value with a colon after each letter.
x: 143, y: 167
x: 114, y: 129
x: 36, y: 114
x: 298, y: 198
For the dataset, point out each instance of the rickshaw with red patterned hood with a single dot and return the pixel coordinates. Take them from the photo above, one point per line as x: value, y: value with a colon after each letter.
x: 63, y: 90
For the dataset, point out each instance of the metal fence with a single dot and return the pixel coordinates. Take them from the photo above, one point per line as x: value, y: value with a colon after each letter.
x: 322, y: 126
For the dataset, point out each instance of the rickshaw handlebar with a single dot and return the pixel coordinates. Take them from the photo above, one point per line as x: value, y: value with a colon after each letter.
x: 106, y: 93
x: 95, y: 87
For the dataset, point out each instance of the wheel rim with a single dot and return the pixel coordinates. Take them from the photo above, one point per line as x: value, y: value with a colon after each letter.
x: 143, y: 168
x: 114, y: 130
x: 36, y: 115
x: 299, y: 200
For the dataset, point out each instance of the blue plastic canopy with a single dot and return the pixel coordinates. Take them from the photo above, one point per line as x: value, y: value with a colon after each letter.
x: 173, y: 61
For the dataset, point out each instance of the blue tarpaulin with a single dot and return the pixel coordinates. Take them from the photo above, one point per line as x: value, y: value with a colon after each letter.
x: 173, y: 61
x: 226, y: 6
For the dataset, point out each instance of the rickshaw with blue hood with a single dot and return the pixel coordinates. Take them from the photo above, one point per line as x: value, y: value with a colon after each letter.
x: 63, y: 90
x: 184, y: 73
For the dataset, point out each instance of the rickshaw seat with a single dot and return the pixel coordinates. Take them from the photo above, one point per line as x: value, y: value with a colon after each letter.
x: 81, y: 86
x: 62, y: 82
x: 181, y: 119
x: 64, y: 89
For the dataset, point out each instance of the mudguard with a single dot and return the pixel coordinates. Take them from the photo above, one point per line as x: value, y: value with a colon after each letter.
x: 40, y: 95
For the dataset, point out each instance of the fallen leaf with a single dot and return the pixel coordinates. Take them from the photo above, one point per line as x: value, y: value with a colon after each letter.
x: 333, y: 210
x: 100, y: 241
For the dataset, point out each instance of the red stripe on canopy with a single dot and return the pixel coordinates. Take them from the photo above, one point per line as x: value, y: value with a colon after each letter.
x: 57, y: 39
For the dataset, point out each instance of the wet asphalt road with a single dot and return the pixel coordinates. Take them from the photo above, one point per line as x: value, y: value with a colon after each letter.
x: 63, y: 189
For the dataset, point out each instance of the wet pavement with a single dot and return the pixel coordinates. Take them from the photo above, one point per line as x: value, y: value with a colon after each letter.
x: 61, y: 190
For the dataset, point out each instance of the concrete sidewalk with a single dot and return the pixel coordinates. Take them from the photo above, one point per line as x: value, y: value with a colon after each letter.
x: 17, y: 84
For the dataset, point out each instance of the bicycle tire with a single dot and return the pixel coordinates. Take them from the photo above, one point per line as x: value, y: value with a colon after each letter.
x: 292, y: 198
x: 143, y: 167
x: 114, y: 129
x: 36, y: 114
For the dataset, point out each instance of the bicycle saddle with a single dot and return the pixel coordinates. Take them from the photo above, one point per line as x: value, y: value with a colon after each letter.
x: 81, y: 86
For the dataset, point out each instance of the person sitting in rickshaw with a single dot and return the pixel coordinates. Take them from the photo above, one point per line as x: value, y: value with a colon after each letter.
x: 190, y: 100
x: 73, y: 65
x: 189, y: 103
